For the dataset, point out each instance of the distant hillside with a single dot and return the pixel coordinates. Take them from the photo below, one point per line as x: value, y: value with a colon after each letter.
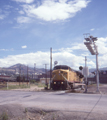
x: 23, y: 68
x: 94, y: 69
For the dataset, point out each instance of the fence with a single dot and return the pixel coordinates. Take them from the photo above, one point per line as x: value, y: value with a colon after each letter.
x: 3, y: 84
x: 14, y: 85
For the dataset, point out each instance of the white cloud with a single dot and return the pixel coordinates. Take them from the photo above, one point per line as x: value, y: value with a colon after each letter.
x: 2, y: 17
x: 3, y: 14
x: 102, y: 50
x: 51, y: 10
x: 91, y: 63
x: 92, y: 29
x: 24, y: 1
x: 28, y: 59
x: 7, y: 49
x: 24, y: 46
x: 65, y: 50
x: 8, y: 7
x: 22, y: 19
x: 64, y: 56
x: 3, y: 49
x: 41, y: 58
x: 67, y: 58
x: 21, y: 12
x: 103, y: 61
x: 78, y: 46
x: 102, y: 45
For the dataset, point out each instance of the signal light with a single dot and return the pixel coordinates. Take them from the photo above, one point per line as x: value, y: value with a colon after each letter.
x: 81, y: 76
x: 87, y: 39
x: 80, y: 67
x: 90, y: 48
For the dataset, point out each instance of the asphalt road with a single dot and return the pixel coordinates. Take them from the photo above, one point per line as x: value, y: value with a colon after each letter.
x: 92, y: 104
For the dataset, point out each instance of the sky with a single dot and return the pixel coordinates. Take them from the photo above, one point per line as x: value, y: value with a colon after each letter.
x: 29, y: 28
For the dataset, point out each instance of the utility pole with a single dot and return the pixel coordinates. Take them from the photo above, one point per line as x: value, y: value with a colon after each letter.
x: 23, y: 76
x: 19, y: 74
x: 28, y: 81
x: 34, y: 69
x: 46, y: 76
x: 27, y: 72
x: 50, y: 66
x: 86, y: 75
x: 97, y: 70
x: 92, y: 47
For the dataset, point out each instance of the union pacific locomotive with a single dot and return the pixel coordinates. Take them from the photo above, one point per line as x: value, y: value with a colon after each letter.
x: 63, y: 77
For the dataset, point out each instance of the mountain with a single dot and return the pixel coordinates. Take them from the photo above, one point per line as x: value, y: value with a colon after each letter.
x: 22, y: 69
x: 94, y: 69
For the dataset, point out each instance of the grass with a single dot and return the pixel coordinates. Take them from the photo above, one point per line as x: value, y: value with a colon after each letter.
x: 4, y: 116
x: 26, y: 110
x: 38, y: 84
x: 41, y: 85
x: 42, y: 113
x: 94, y: 85
x: 53, y: 117
x: 16, y: 85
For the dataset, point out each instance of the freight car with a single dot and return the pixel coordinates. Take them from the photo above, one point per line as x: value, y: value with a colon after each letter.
x: 63, y: 77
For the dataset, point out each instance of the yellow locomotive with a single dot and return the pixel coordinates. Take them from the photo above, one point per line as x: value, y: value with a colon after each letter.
x: 64, y: 77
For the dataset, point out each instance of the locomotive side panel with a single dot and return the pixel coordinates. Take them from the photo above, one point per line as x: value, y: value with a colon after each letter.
x: 72, y: 76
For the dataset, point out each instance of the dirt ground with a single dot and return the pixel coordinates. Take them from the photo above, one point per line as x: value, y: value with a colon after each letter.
x: 93, y: 89
x: 18, y: 112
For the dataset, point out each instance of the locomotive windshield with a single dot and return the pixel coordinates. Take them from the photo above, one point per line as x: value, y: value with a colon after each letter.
x: 61, y: 67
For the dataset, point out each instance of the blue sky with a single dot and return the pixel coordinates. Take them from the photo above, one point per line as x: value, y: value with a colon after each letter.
x: 28, y: 28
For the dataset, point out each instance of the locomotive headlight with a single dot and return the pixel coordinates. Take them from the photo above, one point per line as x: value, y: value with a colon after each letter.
x: 62, y: 82
x: 54, y: 82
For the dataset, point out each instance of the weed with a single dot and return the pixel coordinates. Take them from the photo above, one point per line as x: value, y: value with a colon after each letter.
x: 26, y: 110
x: 41, y: 85
x: 53, y: 117
x: 42, y: 113
x: 17, y: 86
x: 4, y: 116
